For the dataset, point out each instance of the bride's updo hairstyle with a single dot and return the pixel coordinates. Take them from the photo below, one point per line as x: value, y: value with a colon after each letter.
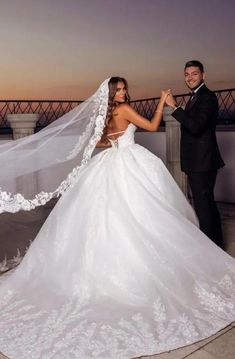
x: 113, y: 83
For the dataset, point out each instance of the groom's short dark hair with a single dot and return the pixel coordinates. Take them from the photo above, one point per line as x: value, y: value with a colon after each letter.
x: 195, y: 63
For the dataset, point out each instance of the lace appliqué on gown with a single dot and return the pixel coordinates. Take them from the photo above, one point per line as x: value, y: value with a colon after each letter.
x: 49, y: 334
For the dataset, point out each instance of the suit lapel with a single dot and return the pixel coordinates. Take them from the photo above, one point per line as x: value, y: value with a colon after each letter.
x: 192, y: 101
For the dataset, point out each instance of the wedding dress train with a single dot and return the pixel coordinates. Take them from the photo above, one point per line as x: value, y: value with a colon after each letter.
x: 118, y: 270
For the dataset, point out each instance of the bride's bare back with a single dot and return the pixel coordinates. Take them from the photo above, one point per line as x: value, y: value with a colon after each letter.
x: 124, y: 114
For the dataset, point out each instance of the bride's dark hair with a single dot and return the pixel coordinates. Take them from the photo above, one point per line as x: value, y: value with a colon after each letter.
x: 113, y: 82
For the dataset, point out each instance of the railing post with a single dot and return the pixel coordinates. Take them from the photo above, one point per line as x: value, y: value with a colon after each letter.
x: 173, y: 149
x: 24, y: 125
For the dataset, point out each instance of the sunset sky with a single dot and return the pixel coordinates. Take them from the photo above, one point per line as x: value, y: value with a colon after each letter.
x: 54, y: 49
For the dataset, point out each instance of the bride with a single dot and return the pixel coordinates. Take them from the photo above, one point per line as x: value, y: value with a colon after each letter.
x: 119, y: 269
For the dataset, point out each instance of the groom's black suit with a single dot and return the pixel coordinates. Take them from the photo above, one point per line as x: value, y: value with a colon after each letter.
x: 200, y: 157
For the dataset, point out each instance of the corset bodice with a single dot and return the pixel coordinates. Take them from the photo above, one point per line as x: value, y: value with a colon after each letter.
x: 127, y: 138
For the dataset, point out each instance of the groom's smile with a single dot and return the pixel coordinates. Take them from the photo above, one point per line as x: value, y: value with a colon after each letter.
x: 193, y: 77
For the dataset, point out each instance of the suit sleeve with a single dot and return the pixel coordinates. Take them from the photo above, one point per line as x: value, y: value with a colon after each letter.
x: 203, y: 112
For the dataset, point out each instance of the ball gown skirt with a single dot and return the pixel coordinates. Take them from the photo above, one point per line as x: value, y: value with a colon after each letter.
x: 118, y: 270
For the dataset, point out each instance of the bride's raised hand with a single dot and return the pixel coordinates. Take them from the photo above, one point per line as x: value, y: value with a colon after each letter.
x: 162, y: 100
x: 165, y: 94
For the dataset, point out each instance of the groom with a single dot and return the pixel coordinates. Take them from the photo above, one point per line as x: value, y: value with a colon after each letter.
x: 199, y: 152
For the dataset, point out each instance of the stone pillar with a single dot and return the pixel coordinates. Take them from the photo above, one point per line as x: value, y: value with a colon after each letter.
x: 173, y: 149
x: 23, y: 124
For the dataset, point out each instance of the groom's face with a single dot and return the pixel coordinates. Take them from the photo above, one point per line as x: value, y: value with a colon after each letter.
x: 193, y: 77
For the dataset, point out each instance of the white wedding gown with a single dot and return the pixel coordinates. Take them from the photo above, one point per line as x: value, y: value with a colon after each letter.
x: 118, y: 270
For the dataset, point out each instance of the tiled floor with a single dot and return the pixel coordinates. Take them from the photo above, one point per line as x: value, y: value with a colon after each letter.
x: 219, y: 346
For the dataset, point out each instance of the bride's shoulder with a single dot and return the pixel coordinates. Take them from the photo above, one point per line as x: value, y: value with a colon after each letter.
x: 123, y: 107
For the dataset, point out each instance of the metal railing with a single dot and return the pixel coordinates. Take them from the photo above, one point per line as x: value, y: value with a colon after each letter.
x: 50, y: 110
x: 226, y: 99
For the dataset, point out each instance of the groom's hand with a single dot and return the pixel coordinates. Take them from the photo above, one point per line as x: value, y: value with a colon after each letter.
x: 164, y: 94
x: 170, y: 101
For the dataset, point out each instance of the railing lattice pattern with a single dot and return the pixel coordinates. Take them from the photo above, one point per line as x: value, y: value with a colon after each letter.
x: 50, y: 110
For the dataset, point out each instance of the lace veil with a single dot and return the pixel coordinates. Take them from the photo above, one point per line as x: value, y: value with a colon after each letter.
x: 37, y: 168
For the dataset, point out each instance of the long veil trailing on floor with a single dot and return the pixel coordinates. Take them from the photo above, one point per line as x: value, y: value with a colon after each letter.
x: 51, y: 158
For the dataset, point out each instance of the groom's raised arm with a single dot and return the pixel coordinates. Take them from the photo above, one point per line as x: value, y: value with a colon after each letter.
x: 197, y: 120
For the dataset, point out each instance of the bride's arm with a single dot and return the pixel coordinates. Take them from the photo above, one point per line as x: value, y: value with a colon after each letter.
x: 132, y: 116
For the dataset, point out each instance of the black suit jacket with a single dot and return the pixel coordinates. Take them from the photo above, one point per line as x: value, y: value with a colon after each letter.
x: 199, y: 150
